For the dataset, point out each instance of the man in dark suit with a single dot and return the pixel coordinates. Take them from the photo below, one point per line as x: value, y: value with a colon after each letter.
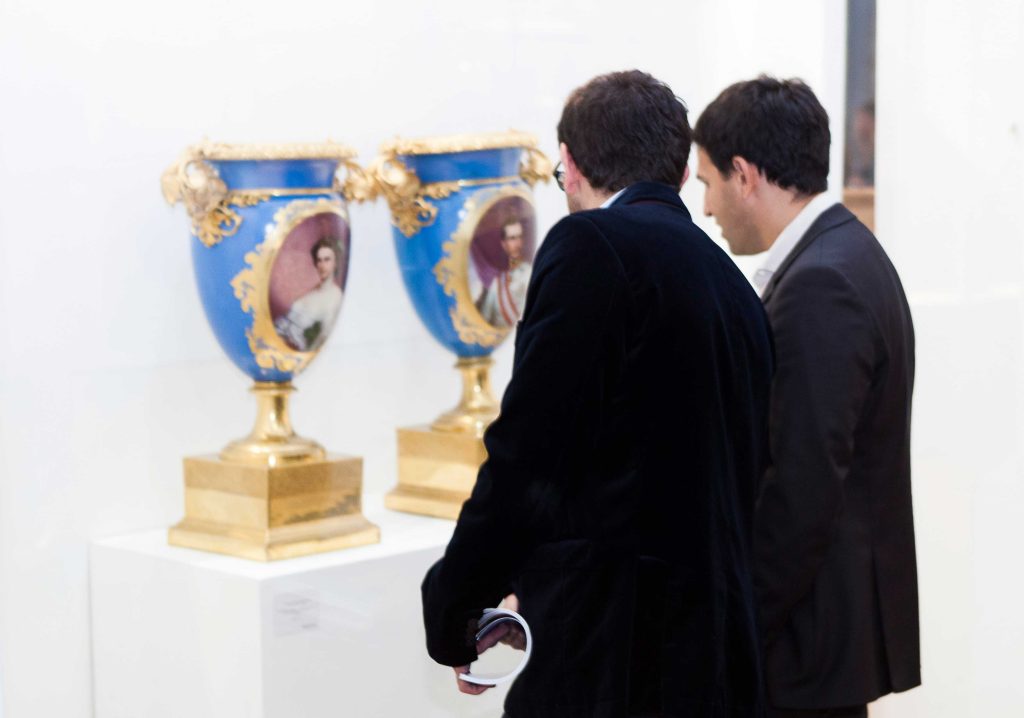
x: 617, y: 497
x: 834, y: 534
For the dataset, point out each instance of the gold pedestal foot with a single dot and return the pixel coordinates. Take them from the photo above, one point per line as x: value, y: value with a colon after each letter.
x: 436, y: 471
x: 272, y: 441
x: 272, y: 512
x: 273, y: 494
x: 477, y: 407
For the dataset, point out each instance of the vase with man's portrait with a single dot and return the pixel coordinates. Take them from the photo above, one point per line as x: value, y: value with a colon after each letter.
x: 465, y: 232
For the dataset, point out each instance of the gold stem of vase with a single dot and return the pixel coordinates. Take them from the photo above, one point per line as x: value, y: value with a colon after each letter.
x: 272, y: 441
x: 477, y: 408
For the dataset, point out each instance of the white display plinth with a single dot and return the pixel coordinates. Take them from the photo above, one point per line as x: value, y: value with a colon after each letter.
x: 178, y: 632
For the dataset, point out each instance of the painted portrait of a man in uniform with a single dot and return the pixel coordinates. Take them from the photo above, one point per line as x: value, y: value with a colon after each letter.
x: 502, y: 253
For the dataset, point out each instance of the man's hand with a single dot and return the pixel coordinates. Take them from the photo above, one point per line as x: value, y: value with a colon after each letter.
x: 471, y: 688
x: 509, y: 634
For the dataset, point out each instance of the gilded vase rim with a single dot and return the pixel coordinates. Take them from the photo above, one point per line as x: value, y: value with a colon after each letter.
x: 444, y: 144
x: 273, y: 151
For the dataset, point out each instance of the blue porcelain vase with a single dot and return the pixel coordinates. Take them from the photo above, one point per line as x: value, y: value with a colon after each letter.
x: 465, y: 233
x: 270, y: 248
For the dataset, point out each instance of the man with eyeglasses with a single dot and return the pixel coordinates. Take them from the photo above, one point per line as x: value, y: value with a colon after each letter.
x: 616, y: 501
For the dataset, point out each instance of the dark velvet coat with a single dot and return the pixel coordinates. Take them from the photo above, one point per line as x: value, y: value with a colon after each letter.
x: 618, y: 493
x: 835, y: 565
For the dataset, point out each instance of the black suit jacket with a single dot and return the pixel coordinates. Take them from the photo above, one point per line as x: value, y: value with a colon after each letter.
x: 834, y: 532
x: 617, y: 497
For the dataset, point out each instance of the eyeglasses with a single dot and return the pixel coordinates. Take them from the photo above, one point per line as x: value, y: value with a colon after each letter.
x: 559, y: 175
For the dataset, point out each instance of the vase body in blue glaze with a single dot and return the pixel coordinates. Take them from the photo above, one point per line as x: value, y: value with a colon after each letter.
x: 270, y: 249
x: 465, y: 234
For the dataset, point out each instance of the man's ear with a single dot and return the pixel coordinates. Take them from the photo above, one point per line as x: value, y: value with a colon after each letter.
x: 747, y: 176
x: 686, y: 176
x: 572, y: 172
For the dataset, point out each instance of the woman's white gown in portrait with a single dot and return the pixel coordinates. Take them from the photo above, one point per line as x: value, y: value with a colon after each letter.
x: 309, y: 320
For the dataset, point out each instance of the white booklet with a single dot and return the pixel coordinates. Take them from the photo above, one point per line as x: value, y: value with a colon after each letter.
x: 492, y: 618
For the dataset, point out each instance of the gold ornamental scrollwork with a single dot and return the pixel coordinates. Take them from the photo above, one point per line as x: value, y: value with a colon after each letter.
x: 471, y: 329
x: 406, y: 195
x: 252, y: 286
x: 535, y: 167
x: 447, y: 144
x: 193, y: 181
x: 357, y: 185
x: 222, y: 221
x: 272, y: 151
x: 452, y: 270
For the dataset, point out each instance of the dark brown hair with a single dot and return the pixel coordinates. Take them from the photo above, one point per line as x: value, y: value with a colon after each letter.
x: 332, y: 244
x: 777, y: 125
x: 626, y: 127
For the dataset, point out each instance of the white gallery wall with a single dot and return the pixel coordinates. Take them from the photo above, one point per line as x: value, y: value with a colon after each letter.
x: 109, y: 374
x: 950, y: 183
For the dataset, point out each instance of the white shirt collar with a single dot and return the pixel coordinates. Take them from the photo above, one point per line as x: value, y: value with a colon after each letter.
x: 789, y: 237
x: 611, y: 200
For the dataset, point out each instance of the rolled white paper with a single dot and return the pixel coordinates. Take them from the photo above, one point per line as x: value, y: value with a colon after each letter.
x: 491, y: 619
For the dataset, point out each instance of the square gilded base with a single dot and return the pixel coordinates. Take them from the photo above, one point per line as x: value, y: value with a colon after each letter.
x: 266, y: 513
x: 436, y: 471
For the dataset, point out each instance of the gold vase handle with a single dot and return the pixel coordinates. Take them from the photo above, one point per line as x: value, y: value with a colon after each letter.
x: 535, y: 166
x: 406, y: 195
x: 195, y: 182
x: 354, y: 183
